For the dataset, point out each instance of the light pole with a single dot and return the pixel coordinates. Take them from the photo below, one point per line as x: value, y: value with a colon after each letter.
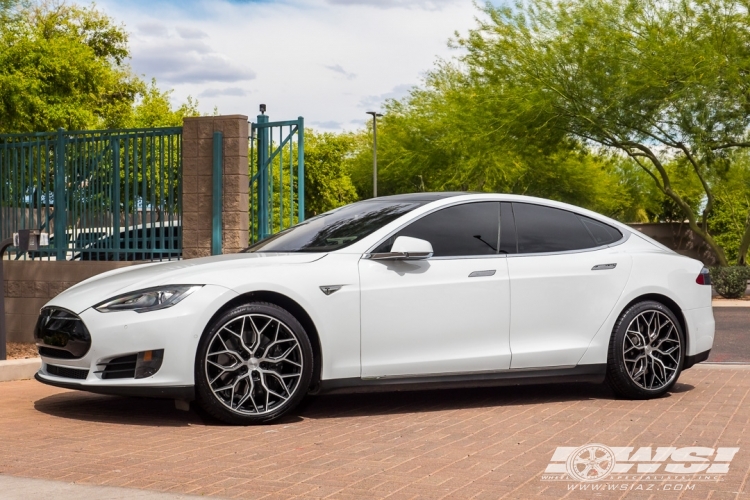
x: 375, y: 116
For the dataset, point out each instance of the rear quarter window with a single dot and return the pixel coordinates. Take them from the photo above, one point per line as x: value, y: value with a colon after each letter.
x: 543, y: 229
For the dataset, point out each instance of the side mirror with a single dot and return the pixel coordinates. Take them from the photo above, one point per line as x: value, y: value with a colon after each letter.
x: 406, y: 248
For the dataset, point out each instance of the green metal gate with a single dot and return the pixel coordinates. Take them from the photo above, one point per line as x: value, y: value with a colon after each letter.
x: 277, y: 176
x: 102, y: 195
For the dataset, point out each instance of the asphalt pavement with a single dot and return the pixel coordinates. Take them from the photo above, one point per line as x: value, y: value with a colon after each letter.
x: 732, y: 340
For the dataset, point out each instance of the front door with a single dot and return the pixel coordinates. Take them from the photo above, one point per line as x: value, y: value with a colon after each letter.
x: 448, y: 314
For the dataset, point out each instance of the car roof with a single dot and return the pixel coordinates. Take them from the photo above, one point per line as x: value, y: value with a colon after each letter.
x: 428, y: 198
x: 421, y: 197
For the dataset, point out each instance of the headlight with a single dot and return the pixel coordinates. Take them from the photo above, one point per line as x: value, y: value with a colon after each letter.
x: 150, y: 299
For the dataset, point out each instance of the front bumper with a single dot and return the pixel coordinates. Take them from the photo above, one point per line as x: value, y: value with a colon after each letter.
x: 184, y: 393
x: 177, y: 330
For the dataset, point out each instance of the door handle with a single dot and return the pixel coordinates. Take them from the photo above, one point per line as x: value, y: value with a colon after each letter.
x: 603, y: 267
x: 477, y: 274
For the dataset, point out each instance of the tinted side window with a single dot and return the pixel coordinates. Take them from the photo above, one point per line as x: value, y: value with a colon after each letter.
x: 602, y: 233
x: 461, y: 230
x: 544, y: 229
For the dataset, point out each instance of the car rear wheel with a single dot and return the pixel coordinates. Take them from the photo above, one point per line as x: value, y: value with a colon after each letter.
x: 646, y: 351
x: 254, y: 364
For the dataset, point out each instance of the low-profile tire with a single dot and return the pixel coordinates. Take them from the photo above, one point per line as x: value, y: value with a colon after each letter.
x: 254, y: 364
x: 646, y: 351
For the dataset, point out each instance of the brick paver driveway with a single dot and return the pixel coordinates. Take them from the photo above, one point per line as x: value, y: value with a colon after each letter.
x: 479, y: 443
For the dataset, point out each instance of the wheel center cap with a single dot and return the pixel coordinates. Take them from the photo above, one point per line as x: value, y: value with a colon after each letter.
x: 649, y: 349
x: 253, y: 363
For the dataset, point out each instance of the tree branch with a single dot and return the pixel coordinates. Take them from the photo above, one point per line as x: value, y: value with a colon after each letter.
x: 731, y: 145
x: 709, y: 193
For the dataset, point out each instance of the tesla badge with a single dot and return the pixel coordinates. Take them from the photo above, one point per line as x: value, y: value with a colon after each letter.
x: 328, y: 290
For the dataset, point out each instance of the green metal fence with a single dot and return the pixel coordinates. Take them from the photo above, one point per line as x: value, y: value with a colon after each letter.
x: 277, y: 176
x: 102, y: 195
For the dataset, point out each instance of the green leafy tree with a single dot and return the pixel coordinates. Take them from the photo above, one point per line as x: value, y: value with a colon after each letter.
x: 62, y: 66
x: 445, y: 136
x: 663, y: 82
x: 729, y: 219
x: 66, y: 66
x: 327, y: 164
x: 153, y: 108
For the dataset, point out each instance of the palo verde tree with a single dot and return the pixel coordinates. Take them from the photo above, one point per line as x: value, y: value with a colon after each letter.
x: 443, y: 136
x: 662, y: 82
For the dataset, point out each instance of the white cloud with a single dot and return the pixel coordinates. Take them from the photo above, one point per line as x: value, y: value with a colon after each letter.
x: 389, y: 4
x: 336, y: 68
x: 229, y: 91
x: 300, y: 57
x: 153, y: 29
x: 376, y: 101
x: 188, y: 32
x: 182, y: 57
x: 180, y: 63
x: 329, y: 125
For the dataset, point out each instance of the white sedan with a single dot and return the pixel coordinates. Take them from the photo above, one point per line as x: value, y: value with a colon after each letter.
x: 400, y: 292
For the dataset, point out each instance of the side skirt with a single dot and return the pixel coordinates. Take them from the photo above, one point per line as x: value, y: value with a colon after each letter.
x: 577, y: 374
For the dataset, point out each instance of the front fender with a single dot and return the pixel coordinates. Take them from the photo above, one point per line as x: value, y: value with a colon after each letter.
x: 336, y: 316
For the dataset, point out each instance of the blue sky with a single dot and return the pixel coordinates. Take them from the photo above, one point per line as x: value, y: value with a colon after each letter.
x: 326, y: 60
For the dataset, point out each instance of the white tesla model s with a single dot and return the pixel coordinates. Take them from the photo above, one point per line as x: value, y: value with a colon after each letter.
x: 399, y: 292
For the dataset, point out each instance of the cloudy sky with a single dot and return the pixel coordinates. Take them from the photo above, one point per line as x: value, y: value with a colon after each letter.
x: 326, y: 60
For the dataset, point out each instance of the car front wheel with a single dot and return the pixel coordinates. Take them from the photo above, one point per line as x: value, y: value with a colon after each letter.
x: 646, y: 351
x: 253, y: 365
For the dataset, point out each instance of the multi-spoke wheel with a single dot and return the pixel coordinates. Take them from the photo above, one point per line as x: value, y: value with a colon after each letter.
x: 253, y: 365
x: 646, y: 352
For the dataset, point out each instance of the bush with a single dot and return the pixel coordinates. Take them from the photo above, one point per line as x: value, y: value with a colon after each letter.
x: 730, y: 282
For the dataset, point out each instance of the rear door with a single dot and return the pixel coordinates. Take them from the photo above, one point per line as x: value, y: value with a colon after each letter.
x: 565, y: 280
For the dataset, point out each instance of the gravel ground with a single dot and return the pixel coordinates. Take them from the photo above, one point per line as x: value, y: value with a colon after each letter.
x: 22, y: 350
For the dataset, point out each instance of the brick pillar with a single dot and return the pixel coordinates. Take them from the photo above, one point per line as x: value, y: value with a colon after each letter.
x: 197, y: 184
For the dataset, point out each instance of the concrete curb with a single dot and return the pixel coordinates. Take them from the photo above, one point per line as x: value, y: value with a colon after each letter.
x: 730, y: 303
x: 19, y: 369
x: 707, y: 365
x: 21, y: 488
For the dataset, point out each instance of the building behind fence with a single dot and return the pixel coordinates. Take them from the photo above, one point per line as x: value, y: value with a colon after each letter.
x: 102, y: 195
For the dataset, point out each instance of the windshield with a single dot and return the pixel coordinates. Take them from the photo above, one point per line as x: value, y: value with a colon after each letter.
x: 335, y: 229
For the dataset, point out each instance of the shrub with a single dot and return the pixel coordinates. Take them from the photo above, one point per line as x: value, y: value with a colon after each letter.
x: 730, y: 282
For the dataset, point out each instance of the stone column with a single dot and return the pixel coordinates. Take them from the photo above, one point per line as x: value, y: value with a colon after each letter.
x: 197, y: 184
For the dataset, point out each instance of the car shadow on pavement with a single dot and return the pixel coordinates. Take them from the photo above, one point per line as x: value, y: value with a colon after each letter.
x: 87, y: 407
x: 389, y: 403
x: 116, y: 410
x: 679, y: 388
x: 159, y: 412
